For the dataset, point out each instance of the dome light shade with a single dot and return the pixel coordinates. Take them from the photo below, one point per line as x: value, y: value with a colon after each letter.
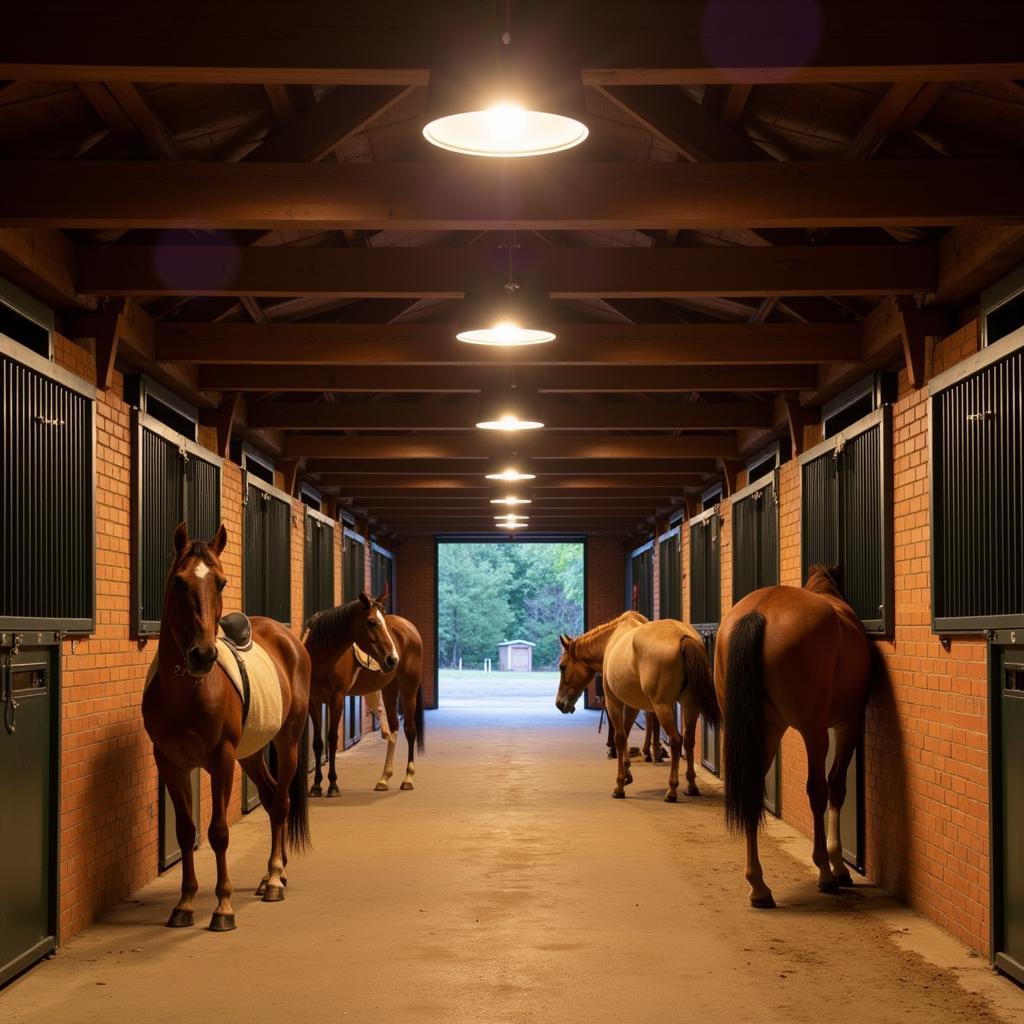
x: 505, y: 130
x: 509, y: 410
x: 509, y: 421
x: 511, y: 517
x: 511, y: 526
x: 506, y: 333
x: 509, y: 467
x: 511, y: 475
x: 511, y: 501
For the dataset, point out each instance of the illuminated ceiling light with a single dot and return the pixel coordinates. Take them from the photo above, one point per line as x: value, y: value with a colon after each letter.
x: 508, y: 320
x: 507, y: 410
x: 512, y: 501
x: 511, y: 474
x: 511, y: 517
x: 511, y: 526
x: 509, y: 421
x: 510, y: 468
x: 506, y: 130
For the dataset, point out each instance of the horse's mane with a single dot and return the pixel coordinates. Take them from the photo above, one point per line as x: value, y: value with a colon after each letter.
x: 331, y: 626
x: 583, y: 644
x: 825, y: 579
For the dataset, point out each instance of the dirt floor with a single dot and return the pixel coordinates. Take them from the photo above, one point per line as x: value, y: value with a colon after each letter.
x: 510, y: 887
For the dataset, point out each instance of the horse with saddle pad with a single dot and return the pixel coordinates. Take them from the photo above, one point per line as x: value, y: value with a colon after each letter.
x: 384, y: 671
x: 213, y: 698
x: 790, y: 656
x: 645, y: 666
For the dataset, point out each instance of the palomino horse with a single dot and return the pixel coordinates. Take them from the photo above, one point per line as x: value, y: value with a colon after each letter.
x: 791, y: 657
x: 356, y: 673
x: 196, y: 718
x: 647, y: 666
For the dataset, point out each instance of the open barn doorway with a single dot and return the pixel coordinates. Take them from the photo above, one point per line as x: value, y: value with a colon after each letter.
x: 501, y: 606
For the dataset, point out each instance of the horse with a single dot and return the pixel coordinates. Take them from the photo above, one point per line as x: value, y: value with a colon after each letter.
x: 790, y: 656
x: 391, y: 666
x: 645, y: 666
x: 196, y: 718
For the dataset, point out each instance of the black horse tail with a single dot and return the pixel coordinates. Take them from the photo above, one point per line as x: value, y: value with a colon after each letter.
x: 298, y: 809
x: 697, y: 673
x: 421, y: 743
x: 744, y: 725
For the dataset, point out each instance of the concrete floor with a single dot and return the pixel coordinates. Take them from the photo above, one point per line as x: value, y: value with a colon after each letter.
x: 510, y: 887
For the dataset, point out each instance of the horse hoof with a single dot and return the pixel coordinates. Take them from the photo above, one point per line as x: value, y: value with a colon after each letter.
x: 611, y: 753
x: 829, y: 887
x: 334, y: 791
x: 180, y: 919
x: 316, y: 790
x: 647, y: 759
x: 273, y: 894
x: 844, y: 880
x: 406, y: 786
x: 671, y: 798
x: 381, y: 787
x: 762, y: 902
x: 261, y: 888
x: 222, y: 923
x: 692, y: 791
x: 618, y: 794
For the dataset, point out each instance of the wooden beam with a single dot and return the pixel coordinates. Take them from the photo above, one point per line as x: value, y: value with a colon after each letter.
x: 474, y: 446
x: 576, y: 273
x: 290, y: 472
x: 893, y: 106
x: 330, y: 377
x: 692, y: 469
x: 459, y: 195
x: 223, y: 419
x: 731, y: 469
x: 797, y: 418
x: 105, y: 328
x: 972, y: 258
x: 351, y: 483
x: 43, y: 263
x: 554, y: 413
x: 323, y: 128
x: 145, y: 119
x: 280, y: 103
x: 735, y: 103
x: 642, y: 43
x: 578, y: 344
x: 917, y: 327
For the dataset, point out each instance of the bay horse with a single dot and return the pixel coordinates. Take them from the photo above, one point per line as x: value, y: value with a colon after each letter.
x: 196, y: 718
x: 645, y: 666
x: 790, y: 656
x: 391, y: 664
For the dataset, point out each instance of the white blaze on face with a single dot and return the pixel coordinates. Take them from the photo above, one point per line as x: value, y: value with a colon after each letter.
x: 201, y: 571
x: 387, y: 634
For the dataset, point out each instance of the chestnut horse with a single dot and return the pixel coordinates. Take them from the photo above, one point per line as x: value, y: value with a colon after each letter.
x: 353, y: 674
x: 645, y: 666
x: 796, y: 657
x: 195, y: 718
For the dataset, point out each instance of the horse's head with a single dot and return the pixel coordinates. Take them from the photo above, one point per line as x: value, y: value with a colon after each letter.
x: 827, y: 579
x: 370, y: 631
x: 575, y: 675
x: 193, y: 602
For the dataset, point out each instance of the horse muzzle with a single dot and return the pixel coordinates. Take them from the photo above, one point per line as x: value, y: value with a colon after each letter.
x: 565, y: 706
x: 200, y: 659
x: 390, y: 663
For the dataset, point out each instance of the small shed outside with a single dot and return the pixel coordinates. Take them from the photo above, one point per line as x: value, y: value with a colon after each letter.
x: 515, y: 656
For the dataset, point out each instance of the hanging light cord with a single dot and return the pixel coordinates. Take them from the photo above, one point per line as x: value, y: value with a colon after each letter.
x: 511, y: 244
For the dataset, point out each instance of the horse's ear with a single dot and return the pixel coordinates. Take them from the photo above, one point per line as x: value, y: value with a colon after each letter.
x: 566, y: 642
x: 180, y: 538
x: 383, y: 595
x: 366, y: 600
x: 219, y: 542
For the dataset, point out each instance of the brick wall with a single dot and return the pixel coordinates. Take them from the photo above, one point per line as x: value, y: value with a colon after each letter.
x: 606, y: 580
x: 415, y: 572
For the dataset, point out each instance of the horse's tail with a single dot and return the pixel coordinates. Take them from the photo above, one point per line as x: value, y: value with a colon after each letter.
x: 697, y: 673
x: 421, y: 743
x: 744, y: 724
x: 298, y: 808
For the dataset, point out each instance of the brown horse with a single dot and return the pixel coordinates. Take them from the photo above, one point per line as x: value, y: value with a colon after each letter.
x: 196, y: 719
x: 792, y: 657
x: 356, y: 673
x: 645, y: 666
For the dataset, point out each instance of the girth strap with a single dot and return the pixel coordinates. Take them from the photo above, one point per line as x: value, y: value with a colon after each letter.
x: 246, y: 689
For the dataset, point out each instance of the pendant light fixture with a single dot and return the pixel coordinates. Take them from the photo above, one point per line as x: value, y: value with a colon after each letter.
x: 526, y: 111
x: 509, y: 469
x: 511, y: 501
x: 508, y: 319
x: 507, y: 410
x: 511, y: 526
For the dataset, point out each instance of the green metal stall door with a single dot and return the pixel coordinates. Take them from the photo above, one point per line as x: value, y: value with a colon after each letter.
x: 1007, y: 725
x: 28, y: 807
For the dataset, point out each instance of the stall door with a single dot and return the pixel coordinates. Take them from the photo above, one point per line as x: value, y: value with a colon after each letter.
x: 29, y: 746
x: 710, y: 743
x: 353, y: 725
x: 1006, y: 711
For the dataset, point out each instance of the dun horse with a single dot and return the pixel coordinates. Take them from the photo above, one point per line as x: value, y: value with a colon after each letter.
x: 198, y: 717
x: 646, y: 666
x: 392, y: 663
x: 791, y: 657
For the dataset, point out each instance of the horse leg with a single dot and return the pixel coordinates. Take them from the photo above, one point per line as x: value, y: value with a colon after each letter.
x: 816, y: 745
x: 287, y: 765
x: 847, y: 737
x: 317, y: 789
x: 409, y: 721
x: 222, y: 775
x: 648, y: 732
x: 689, y: 742
x: 760, y: 895
x: 333, y: 727
x: 256, y: 768
x: 179, y: 788
x: 667, y: 720
x: 629, y: 717
x: 390, y: 718
x: 616, y: 724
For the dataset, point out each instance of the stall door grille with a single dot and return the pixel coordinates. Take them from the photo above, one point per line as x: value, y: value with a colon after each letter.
x: 47, y: 509
x: 642, y: 577
x: 267, y: 567
x: 705, y: 571
x: 669, y: 578
x: 755, y: 541
x: 318, y: 574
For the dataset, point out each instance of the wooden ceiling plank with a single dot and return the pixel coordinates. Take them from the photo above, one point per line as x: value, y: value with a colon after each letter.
x: 567, y: 273
x: 457, y: 195
x: 476, y: 468
x: 433, y: 344
x: 461, y: 379
x: 555, y: 413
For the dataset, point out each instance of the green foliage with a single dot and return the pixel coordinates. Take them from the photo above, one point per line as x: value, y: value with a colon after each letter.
x: 488, y: 593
